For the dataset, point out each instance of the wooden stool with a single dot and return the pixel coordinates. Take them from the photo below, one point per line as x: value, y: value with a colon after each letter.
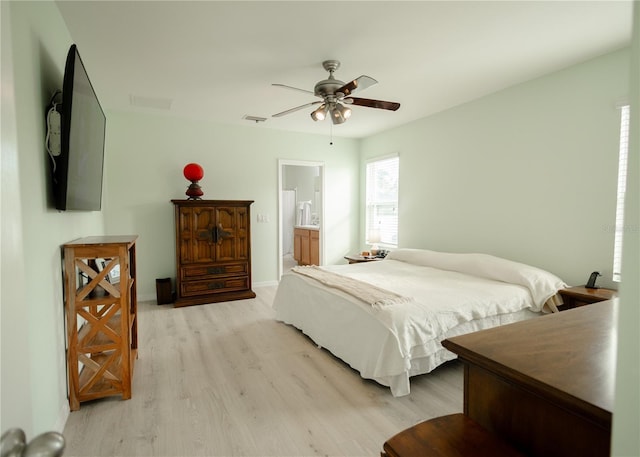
x: 452, y: 436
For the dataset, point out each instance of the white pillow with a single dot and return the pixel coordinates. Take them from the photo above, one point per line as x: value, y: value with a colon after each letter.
x: 542, y: 284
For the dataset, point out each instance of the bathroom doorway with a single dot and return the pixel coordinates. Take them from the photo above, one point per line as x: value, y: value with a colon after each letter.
x: 300, y: 204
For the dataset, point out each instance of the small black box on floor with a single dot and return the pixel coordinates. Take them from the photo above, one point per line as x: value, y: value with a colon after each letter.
x: 163, y: 291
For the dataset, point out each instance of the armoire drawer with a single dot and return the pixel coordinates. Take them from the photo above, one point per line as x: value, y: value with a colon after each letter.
x: 213, y: 286
x: 192, y: 272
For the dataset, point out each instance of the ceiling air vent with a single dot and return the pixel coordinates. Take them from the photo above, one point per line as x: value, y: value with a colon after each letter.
x: 255, y: 119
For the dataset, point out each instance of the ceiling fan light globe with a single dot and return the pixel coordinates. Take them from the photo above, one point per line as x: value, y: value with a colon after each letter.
x: 340, y: 113
x: 320, y: 114
x: 337, y: 117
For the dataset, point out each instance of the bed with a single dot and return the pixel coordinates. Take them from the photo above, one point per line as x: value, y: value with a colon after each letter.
x: 386, y: 319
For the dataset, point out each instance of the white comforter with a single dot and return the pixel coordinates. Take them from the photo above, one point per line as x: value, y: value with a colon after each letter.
x: 392, y: 343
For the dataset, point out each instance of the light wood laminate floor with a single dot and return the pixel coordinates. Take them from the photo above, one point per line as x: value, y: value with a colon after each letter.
x: 226, y: 379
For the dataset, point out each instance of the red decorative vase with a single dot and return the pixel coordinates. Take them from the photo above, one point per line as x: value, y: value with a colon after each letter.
x: 194, y: 173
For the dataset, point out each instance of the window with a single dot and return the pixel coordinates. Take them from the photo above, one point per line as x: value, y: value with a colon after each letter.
x: 382, y: 201
x: 622, y: 187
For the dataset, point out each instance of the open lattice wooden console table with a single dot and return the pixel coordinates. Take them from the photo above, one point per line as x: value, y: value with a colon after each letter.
x: 101, y: 312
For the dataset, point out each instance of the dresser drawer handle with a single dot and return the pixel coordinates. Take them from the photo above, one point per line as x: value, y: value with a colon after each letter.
x: 216, y: 270
x: 215, y: 285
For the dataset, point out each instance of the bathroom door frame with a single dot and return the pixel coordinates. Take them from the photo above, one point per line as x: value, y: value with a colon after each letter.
x: 298, y: 163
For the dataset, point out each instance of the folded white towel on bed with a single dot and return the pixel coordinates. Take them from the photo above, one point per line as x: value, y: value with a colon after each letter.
x: 368, y: 293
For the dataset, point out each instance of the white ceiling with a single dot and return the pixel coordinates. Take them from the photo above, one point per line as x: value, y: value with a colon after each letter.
x: 217, y: 60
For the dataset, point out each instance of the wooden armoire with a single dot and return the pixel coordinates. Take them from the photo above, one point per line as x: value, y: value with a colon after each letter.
x: 213, y: 251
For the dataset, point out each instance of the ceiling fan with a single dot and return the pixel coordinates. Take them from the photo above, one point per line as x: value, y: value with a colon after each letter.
x: 336, y: 94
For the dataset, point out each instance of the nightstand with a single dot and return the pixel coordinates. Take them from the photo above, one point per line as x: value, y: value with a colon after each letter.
x: 360, y: 259
x: 581, y: 296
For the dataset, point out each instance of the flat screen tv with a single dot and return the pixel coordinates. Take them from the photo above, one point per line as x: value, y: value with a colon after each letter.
x: 78, y: 170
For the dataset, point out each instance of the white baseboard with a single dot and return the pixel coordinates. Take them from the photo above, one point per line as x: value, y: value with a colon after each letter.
x: 63, y: 415
x: 265, y: 284
x: 147, y: 297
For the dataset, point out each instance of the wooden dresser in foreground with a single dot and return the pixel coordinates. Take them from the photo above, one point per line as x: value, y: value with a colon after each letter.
x: 545, y: 385
x: 102, y: 318
x: 213, y: 251
x: 541, y: 388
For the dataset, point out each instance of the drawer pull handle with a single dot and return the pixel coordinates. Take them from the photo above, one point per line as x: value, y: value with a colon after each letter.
x: 216, y: 270
x: 215, y: 285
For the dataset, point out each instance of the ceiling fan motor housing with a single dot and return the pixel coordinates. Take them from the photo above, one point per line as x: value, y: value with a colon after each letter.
x: 327, y: 87
x: 330, y: 85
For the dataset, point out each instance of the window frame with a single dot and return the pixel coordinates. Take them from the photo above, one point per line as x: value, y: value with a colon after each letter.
x: 390, y: 231
x: 623, y: 158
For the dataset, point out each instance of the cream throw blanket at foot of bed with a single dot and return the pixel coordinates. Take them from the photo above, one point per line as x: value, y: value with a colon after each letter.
x: 364, y: 291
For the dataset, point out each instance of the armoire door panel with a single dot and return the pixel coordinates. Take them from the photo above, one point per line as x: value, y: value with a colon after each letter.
x: 185, y: 229
x: 242, y: 234
x: 226, y: 247
x: 202, y: 237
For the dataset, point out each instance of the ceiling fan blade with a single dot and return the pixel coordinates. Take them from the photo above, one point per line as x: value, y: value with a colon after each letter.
x: 297, y: 108
x: 360, y: 83
x: 391, y: 106
x: 293, y: 88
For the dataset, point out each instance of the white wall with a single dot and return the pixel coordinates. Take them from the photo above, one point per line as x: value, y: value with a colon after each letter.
x: 146, y: 155
x: 626, y: 417
x: 15, y: 399
x: 33, y: 336
x: 303, y: 179
x: 528, y: 173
